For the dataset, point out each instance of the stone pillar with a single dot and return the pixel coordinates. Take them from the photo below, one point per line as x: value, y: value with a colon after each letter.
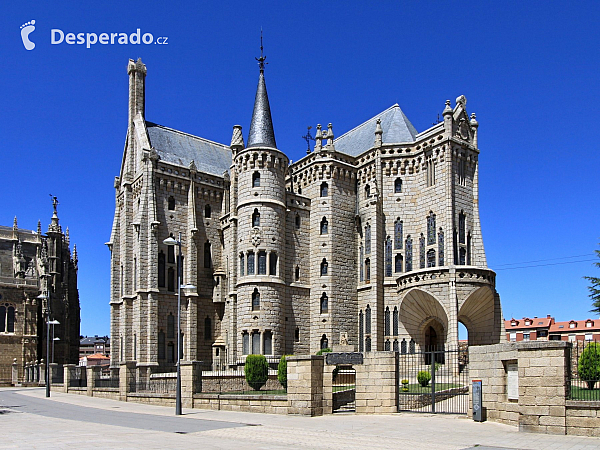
x: 41, y: 373
x: 126, y: 377
x: 68, y: 374
x: 377, y: 383
x: 305, y: 385
x: 15, y: 372
x: 191, y: 382
x: 92, y: 374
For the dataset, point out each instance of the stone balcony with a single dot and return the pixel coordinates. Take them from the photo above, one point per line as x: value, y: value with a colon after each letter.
x: 446, y: 274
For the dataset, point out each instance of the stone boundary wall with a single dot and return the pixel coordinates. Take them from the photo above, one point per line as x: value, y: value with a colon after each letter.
x: 269, y: 404
x: 231, y: 383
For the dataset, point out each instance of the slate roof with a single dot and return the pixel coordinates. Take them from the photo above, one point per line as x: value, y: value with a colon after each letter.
x: 396, y: 129
x: 180, y: 148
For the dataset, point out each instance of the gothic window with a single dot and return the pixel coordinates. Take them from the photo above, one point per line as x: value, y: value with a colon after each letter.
x: 297, y: 334
x: 297, y: 221
x: 170, y: 326
x: 171, y: 279
x: 135, y: 274
x: 386, y: 345
x: 368, y: 239
x: 324, y: 189
x: 431, y: 258
x: 368, y: 320
x: 422, y: 251
x: 207, y: 329
x: 273, y: 264
x: 368, y: 344
x: 367, y: 270
x: 324, y: 304
x: 324, y: 267
x: 469, y: 249
x: 297, y: 274
x: 324, y: 224
x: 268, y: 343
x: 403, y: 346
x: 398, y: 234
x: 171, y: 254
x: 431, y: 228
x: 256, y: 218
x: 398, y: 186
x: 441, y: 247
x: 362, y: 269
x: 367, y: 191
x: 388, y: 257
x: 256, y: 343
x: 245, y: 343
x: 387, y: 321
x: 171, y: 352
x: 256, y: 179
x: 262, y: 262
x: 411, y: 346
x: 171, y: 203
x: 395, y: 348
x: 250, y: 263
x: 430, y: 172
x: 361, y: 331
x: 122, y: 282
x: 398, y: 264
x: 161, y: 269
x: 461, y: 228
x: 207, y: 212
x: 207, y: 255
x: 324, y: 342
x: 461, y: 172
x: 462, y: 256
x: 7, y: 318
x: 395, y: 321
x: 161, y: 345
x: 408, y: 253
x: 241, y: 264
x: 255, y: 300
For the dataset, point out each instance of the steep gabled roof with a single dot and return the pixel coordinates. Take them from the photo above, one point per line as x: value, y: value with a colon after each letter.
x: 396, y: 129
x: 180, y: 148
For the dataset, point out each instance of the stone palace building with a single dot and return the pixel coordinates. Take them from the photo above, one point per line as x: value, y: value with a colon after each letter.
x: 372, y: 239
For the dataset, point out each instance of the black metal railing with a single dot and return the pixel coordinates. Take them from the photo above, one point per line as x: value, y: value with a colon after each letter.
x: 344, y: 388
x: 433, y: 381
x: 107, y: 382
x: 78, y: 377
x: 585, y: 371
x: 162, y: 385
x: 228, y: 377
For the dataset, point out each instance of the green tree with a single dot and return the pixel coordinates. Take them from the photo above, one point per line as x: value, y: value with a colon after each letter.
x: 257, y: 371
x: 594, y: 288
x: 282, y: 371
x: 588, y: 366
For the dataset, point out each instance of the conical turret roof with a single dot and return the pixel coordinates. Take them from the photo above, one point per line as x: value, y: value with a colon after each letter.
x: 261, y: 128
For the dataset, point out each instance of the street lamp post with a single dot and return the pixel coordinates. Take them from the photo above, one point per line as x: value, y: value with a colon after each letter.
x: 172, y: 241
x: 46, y: 297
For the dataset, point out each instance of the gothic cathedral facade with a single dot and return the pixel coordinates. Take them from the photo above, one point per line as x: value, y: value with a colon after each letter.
x: 372, y: 239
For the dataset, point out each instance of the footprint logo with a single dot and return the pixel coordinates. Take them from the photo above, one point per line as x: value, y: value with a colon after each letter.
x: 26, y: 30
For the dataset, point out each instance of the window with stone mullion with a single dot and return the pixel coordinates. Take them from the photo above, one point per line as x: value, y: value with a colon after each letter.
x: 422, y: 252
x: 388, y: 257
x: 262, y: 263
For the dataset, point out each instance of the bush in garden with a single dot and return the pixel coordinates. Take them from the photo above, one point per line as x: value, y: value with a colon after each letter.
x: 324, y: 350
x: 256, y: 370
x: 423, y: 378
x: 282, y: 371
x: 588, y: 365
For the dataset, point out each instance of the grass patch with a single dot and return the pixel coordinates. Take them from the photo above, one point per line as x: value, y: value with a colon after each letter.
x: 582, y: 393
x: 252, y: 392
x: 418, y: 389
x: 343, y: 388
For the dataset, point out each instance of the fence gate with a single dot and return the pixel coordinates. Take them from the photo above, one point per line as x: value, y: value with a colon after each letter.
x: 344, y: 388
x: 435, y: 381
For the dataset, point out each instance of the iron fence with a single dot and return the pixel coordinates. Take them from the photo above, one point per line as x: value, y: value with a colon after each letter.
x: 107, y: 382
x: 228, y: 377
x: 162, y: 384
x: 78, y: 377
x: 585, y: 371
x: 344, y: 388
x: 433, y: 381
x: 58, y: 374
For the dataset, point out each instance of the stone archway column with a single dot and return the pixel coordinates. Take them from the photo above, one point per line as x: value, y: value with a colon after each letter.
x: 452, y: 332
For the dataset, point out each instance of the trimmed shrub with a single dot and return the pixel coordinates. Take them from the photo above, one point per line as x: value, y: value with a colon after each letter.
x: 405, y: 385
x: 324, y: 350
x: 282, y: 371
x: 423, y: 378
x: 256, y: 370
x: 588, y: 365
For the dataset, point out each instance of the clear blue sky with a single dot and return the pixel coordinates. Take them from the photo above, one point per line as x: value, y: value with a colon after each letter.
x: 528, y: 69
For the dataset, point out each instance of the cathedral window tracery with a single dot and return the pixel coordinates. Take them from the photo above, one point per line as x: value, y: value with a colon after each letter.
x: 398, y: 264
x: 431, y: 258
x: 262, y: 262
x: 368, y: 239
x: 386, y: 331
x: 250, y: 263
x: 395, y: 322
x: 388, y: 257
x: 409, y: 253
x: 431, y: 228
x: 7, y: 318
x: 441, y: 247
x: 367, y: 270
x: 398, y: 234
x: 422, y: 251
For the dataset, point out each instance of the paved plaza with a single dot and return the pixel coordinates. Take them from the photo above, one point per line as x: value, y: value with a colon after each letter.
x: 31, y: 421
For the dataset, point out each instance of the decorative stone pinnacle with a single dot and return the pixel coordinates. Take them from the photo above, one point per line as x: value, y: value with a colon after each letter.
x: 193, y: 167
x: 448, y: 108
x: 39, y: 227
x: 237, y: 139
x: 15, y: 223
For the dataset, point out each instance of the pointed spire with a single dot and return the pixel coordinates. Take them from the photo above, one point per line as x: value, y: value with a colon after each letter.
x: 54, y: 226
x: 318, y: 138
x: 261, y: 128
x: 15, y: 227
x: 39, y: 228
x: 74, y: 257
x: 67, y: 237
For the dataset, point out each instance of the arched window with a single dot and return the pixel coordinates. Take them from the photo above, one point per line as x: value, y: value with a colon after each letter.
x: 268, y: 342
x: 324, y: 225
x: 398, y: 185
x: 161, y: 269
x: 171, y: 352
x: 362, y: 269
x: 368, y: 320
x: 7, y: 318
x: 170, y: 326
x: 250, y: 263
x: 171, y: 279
x: 431, y: 228
x: 171, y: 254
x: 422, y: 251
x: 388, y: 257
x: 245, y: 343
x: 161, y: 345
x: 361, y: 331
x: 462, y: 256
x: 297, y: 221
x: 409, y: 255
x: 207, y: 329
x: 386, y: 345
x: 324, y: 189
x: 324, y: 304
x: 441, y: 247
x: 368, y: 344
x: 262, y: 262
x: 395, y: 321
x: 207, y: 255
x: 411, y: 346
x: 297, y: 273
x: 324, y: 342
x: 367, y: 191
x: 256, y: 179
x: 297, y: 334
x: 273, y: 264
x: 367, y: 270
x: 324, y: 267
x: 171, y: 203
x: 256, y: 343
x: 398, y: 264
x: 207, y: 212
x: 241, y: 264
x: 431, y: 258
x: 395, y: 346
x: 256, y: 218
x: 368, y: 239
x: 255, y: 300
x: 398, y: 234
x: 461, y: 228
x: 387, y: 321
x: 469, y: 248
x: 403, y: 349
